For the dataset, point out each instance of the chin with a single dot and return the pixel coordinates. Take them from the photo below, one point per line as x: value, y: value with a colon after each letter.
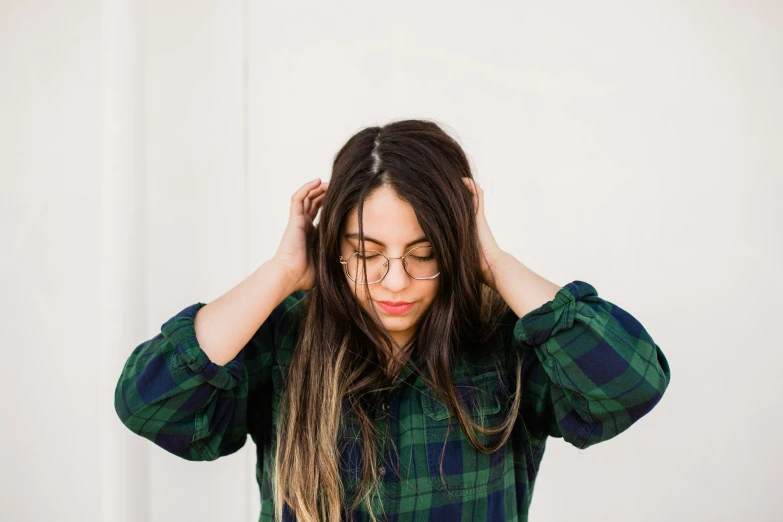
x: 398, y: 324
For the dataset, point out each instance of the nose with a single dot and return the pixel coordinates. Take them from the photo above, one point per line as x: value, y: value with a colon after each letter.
x: 397, y: 278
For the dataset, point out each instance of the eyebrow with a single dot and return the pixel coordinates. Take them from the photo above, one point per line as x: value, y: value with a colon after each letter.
x: 355, y: 235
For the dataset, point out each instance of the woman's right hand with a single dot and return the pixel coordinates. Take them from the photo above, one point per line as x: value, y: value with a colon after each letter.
x: 292, y: 254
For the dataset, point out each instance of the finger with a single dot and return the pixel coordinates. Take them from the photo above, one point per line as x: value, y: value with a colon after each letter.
x: 471, y: 185
x: 297, y: 200
x: 312, y: 196
x: 316, y: 191
x: 316, y: 206
x: 318, y: 195
x: 308, y: 202
x: 317, y: 200
x: 479, y: 195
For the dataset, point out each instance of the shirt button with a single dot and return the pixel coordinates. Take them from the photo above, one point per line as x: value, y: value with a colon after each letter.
x: 385, y: 406
x: 382, y: 470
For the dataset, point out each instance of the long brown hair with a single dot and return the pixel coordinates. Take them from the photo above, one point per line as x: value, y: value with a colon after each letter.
x: 341, y: 351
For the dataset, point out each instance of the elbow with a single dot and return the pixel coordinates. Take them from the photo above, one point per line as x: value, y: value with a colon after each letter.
x: 121, y: 407
x: 610, y: 423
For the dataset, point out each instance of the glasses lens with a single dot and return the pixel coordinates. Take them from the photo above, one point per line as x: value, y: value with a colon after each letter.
x: 421, y: 263
x: 376, y: 267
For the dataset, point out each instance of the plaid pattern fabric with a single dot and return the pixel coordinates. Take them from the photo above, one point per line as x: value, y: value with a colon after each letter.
x: 590, y: 370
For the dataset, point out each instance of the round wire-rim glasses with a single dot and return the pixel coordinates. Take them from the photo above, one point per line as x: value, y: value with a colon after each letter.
x: 344, y: 262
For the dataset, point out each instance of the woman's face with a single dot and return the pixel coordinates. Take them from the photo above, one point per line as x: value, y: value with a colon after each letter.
x: 390, y: 226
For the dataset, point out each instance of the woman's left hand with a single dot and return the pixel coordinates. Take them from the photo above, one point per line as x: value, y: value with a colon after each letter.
x: 489, y: 247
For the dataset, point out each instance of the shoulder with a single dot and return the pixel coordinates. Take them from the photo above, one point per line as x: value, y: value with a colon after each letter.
x: 292, y: 306
x: 288, y: 312
x: 287, y: 318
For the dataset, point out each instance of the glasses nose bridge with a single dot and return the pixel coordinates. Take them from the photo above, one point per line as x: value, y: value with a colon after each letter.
x: 389, y: 258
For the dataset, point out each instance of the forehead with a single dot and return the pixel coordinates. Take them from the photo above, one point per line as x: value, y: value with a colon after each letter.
x: 385, y: 217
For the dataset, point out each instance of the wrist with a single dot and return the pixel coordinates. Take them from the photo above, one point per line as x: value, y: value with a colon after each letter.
x: 288, y: 284
x: 495, y: 257
x: 494, y: 262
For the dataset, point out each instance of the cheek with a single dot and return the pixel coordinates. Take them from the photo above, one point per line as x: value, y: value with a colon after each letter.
x: 432, y: 291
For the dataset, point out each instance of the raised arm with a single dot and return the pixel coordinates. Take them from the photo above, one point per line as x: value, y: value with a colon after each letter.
x: 590, y: 369
x: 173, y: 393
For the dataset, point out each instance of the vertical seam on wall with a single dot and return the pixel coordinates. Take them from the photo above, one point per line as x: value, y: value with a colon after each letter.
x: 245, y: 129
x: 245, y: 117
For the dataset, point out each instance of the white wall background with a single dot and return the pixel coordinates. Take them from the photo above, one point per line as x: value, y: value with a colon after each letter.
x: 148, y: 151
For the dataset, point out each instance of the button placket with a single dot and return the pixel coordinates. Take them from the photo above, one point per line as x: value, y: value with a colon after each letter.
x: 383, y: 425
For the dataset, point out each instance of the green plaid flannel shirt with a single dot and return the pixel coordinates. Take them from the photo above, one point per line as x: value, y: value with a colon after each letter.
x: 590, y: 370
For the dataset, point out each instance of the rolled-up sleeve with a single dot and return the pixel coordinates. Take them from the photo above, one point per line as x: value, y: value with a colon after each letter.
x: 590, y: 369
x: 171, y: 393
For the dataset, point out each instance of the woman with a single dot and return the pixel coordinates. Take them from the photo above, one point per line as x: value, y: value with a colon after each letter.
x: 394, y: 327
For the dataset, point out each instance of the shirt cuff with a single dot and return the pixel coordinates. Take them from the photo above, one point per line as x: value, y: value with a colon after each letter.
x: 181, y: 333
x: 538, y: 325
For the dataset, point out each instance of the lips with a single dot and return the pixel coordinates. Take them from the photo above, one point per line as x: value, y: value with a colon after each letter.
x: 395, y: 307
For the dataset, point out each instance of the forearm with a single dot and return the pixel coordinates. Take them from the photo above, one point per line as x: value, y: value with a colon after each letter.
x: 224, y: 326
x: 520, y: 287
